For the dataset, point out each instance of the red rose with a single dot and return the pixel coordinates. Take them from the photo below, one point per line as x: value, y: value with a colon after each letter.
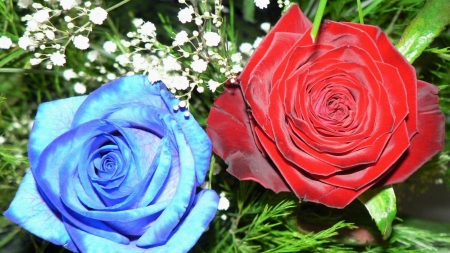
x: 326, y: 119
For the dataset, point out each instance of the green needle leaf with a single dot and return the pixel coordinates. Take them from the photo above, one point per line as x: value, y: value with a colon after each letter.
x: 382, y: 207
x: 422, y: 30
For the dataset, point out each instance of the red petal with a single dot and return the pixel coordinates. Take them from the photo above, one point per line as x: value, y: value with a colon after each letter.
x: 430, y: 138
x: 229, y: 128
x: 257, y: 89
x: 293, y: 21
x: 306, y: 188
x: 407, y: 72
x: 341, y: 34
x: 368, y: 174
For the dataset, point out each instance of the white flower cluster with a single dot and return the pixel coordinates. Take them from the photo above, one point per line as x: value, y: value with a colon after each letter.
x: 197, y: 60
x: 183, y: 66
x: 48, y: 41
x: 262, y: 4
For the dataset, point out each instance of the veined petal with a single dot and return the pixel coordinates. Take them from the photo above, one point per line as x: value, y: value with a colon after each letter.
x: 31, y: 211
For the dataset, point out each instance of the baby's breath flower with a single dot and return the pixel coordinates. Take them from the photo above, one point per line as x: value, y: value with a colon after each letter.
x: 98, y: 15
x: 181, y: 38
x: 32, y: 25
x: 246, y: 48
x: 224, y: 203
x: 148, y: 28
x: 25, y: 42
x: 212, y: 85
x: 92, y: 55
x: 265, y: 27
x: 195, y: 33
x: 182, y: 104
x: 198, y: 21
x: 262, y: 4
x: 35, y: 61
x: 212, y: 39
x: 200, y: 89
x: 58, y: 59
x: 122, y: 59
x: 39, y: 36
x: 70, y: 25
x: 5, y: 42
x: 139, y: 62
x: 237, y: 57
x: 257, y: 42
x: 236, y: 69
x: 41, y: 16
x: 177, y: 82
x: 111, y: 76
x: 137, y: 22
x: 37, y: 5
x: 125, y: 43
x: 110, y: 46
x: 50, y: 34
x: 79, y: 88
x: 87, y: 4
x: 68, y: 4
x: 69, y: 74
x: 171, y: 63
x: 185, y: 15
x: 24, y: 3
x: 81, y: 42
x: 154, y: 76
x: 199, y: 65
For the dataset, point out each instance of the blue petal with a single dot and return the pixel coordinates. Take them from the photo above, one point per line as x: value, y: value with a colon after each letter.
x: 196, y: 137
x: 182, y: 240
x: 172, y: 215
x: 120, y: 93
x: 52, y: 119
x: 30, y: 211
x: 189, y: 231
x: 59, y: 161
x: 88, y: 243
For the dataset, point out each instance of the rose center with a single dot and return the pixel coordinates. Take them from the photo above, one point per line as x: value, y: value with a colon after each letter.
x: 335, y: 108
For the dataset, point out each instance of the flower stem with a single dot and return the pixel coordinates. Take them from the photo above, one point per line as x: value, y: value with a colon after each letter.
x: 318, y: 19
x: 361, y: 17
x: 117, y: 5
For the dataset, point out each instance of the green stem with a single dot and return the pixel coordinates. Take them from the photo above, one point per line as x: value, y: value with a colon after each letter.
x: 361, y: 17
x: 421, y: 31
x: 368, y: 9
x: 117, y: 5
x: 318, y: 19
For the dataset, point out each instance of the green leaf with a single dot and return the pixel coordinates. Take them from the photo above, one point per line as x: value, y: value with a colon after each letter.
x: 382, y: 207
x: 422, y: 30
x: 248, y: 9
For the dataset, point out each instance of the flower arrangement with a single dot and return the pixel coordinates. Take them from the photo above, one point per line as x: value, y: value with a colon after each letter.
x: 213, y: 126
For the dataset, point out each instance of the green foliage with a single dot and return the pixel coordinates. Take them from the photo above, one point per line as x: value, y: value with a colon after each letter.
x: 258, y: 220
x: 382, y: 206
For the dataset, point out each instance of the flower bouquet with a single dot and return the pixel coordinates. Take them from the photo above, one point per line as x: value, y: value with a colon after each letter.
x: 222, y: 126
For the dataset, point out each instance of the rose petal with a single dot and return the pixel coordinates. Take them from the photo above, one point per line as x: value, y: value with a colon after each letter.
x: 257, y: 90
x: 52, y: 119
x: 233, y: 140
x: 28, y: 198
x: 173, y: 213
x: 293, y: 21
x: 394, y: 58
x: 359, y: 177
x: 430, y: 137
x: 306, y: 188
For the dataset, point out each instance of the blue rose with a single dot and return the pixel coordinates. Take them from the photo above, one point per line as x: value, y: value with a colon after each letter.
x: 116, y: 171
